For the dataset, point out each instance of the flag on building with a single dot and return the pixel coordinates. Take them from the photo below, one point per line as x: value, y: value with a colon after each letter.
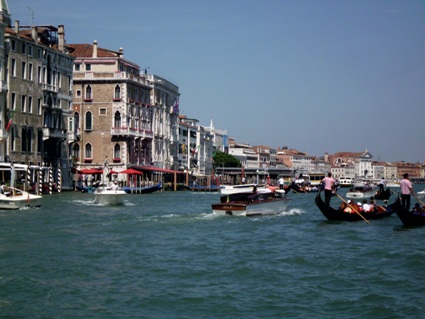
x: 9, y: 124
x: 176, y: 106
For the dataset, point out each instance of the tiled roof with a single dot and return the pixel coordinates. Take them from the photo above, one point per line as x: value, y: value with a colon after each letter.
x: 86, y: 51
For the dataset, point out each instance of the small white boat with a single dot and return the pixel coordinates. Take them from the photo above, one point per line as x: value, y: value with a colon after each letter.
x: 393, y: 184
x: 17, y: 199
x: 421, y: 194
x: 250, y: 204
x: 109, y: 196
x: 365, y: 191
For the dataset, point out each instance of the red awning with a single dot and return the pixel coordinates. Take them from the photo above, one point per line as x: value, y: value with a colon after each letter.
x: 130, y: 171
x: 88, y: 171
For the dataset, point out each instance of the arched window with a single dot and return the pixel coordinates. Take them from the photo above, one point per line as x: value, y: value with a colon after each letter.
x: 76, y: 123
x: 89, y: 95
x: 76, y: 151
x: 117, y: 95
x: 88, y: 151
x: 117, y: 119
x: 89, y: 121
x: 117, y: 151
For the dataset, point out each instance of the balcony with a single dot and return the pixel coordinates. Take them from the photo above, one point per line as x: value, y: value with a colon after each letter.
x: 50, y: 87
x: 132, y: 132
x: 54, y: 133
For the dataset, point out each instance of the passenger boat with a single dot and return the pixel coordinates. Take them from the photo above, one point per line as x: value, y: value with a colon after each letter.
x: 409, y: 218
x: 17, y: 199
x: 364, y: 191
x: 345, y: 182
x: 336, y: 214
x: 109, y: 196
x: 383, y: 196
x: 250, y: 204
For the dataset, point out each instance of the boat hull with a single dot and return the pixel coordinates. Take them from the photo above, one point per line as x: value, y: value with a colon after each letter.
x: 19, y: 201
x: 248, y: 204
x: 109, y: 197
x: 409, y: 218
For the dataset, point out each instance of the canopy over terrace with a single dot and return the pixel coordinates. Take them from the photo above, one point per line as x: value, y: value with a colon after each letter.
x: 160, y: 172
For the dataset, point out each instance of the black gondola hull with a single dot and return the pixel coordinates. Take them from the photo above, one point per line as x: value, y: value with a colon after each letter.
x: 337, y: 215
x: 408, y: 218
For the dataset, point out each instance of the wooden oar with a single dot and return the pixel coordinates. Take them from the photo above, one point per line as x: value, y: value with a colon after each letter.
x: 353, y: 208
x: 414, y: 194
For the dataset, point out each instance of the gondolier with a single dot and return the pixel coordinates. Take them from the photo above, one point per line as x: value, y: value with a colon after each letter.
x: 406, y: 189
x: 329, y: 185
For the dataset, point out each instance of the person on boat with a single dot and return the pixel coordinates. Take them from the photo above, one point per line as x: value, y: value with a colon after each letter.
x: 329, y: 184
x: 372, y: 205
x: 350, y: 207
x: 406, y: 189
x: 360, y: 206
x: 2, y: 188
x: 281, y: 183
x: 114, y: 185
x: 417, y: 209
x: 366, y: 206
x: 382, y: 185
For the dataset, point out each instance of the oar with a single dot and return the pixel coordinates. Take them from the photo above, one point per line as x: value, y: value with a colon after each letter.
x: 418, y: 199
x: 352, y: 208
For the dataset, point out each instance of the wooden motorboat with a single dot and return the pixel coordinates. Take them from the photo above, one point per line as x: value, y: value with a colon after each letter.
x: 250, y: 204
x: 383, y: 196
x: 409, y: 218
x: 336, y: 214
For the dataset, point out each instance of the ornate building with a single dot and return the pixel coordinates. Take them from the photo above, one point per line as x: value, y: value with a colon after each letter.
x: 38, y: 98
x: 112, y: 113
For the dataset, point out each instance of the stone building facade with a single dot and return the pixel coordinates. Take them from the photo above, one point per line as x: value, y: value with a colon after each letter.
x: 38, y: 75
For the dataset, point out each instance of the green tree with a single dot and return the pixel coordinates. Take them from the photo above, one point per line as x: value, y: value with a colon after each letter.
x: 222, y: 159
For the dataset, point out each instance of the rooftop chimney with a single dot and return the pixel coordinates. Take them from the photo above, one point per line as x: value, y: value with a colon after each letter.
x: 94, y: 49
x: 121, y: 54
x: 34, y: 33
x: 17, y: 27
x: 61, y: 38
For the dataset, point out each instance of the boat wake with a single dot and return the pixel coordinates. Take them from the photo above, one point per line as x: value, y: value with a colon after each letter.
x: 292, y: 212
x: 92, y: 203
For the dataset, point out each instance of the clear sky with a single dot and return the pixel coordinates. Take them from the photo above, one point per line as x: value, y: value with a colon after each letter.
x: 318, y: 76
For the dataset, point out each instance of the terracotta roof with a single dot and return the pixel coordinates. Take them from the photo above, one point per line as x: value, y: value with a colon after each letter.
x: 86, y: 51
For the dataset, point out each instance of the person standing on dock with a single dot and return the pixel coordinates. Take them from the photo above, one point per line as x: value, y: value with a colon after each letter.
x: 329, y: 184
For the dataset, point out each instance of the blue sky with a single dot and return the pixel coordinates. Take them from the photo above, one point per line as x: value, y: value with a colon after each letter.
x: 318, y: 76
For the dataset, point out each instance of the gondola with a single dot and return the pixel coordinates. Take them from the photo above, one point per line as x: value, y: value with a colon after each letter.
x: 408, y: 218
x: 383, y: 196
x: 335, y: 214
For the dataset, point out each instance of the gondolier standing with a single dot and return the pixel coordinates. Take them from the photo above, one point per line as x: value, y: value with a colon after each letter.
x: 406, y: 190
x: 329, y: 184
